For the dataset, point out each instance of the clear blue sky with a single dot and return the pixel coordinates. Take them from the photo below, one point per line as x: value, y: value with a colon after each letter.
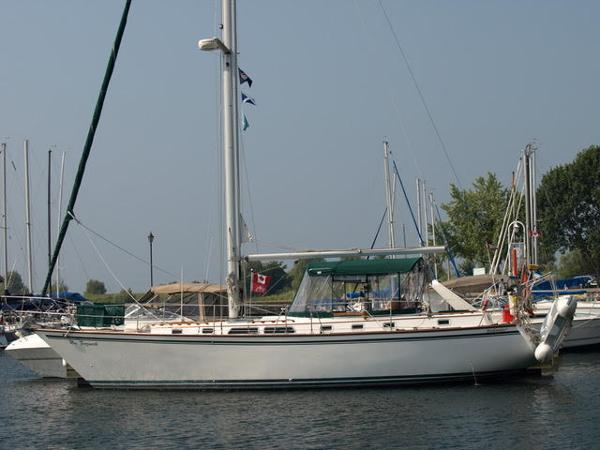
x: 329, y: 83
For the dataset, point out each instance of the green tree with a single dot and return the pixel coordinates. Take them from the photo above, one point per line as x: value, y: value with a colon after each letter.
x: 569, y: 210
x: 62, y: 287
x: 95, y: 287
x: 14, y: 284
x: 125, y: 295
x: 475, y: 220
x: 572, y: 263
x: 296, y: 273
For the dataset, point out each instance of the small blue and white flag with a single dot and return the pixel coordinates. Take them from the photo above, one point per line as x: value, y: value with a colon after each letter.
x: 245, y: 123
x: 246, y: 99
x: 244, y: 78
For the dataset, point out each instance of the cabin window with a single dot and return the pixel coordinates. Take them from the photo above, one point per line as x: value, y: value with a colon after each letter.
x: 443, y: 322
x: 357, y: 326
x: 325, y: 328
x: 279, y: 330
x: 208, y: 330
x: 389, y: 325
x: 243, y: 331
x: 176, y: 331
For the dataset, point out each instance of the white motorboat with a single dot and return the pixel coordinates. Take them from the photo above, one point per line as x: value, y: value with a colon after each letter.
x: 585, y: 330
x: 37, y: 355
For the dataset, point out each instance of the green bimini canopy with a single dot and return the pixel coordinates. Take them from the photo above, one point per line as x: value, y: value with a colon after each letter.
x: 362, y: 267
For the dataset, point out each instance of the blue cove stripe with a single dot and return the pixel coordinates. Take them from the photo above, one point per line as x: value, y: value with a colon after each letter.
x: 271, y: 341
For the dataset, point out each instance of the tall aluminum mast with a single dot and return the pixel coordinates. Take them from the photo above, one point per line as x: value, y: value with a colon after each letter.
x: 231, y: 152
x: 228, y: 47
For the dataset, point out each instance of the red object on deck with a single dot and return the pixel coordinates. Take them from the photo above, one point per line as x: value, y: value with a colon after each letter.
x: 507, y: 317
x: 513, y: 256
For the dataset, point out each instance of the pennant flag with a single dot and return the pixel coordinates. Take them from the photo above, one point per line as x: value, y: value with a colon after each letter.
x: 245, y: 123
x: 246, y: 99
x: 260, y: 283
x: 247, y: 235
x: 244, y: 78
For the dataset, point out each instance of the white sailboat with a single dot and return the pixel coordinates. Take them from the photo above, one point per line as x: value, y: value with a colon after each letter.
x: 321, y: 340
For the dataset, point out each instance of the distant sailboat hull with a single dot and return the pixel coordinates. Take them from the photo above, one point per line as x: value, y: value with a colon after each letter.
x: 34, y: 353
x: 585, y: 330
x: 119, y: 360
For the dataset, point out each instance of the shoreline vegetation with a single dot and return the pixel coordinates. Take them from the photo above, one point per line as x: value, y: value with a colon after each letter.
x: 122, y: 297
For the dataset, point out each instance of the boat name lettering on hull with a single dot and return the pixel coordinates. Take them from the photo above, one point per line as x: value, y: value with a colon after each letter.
x: 81, y: 342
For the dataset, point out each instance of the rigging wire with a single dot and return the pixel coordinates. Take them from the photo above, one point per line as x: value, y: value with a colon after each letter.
x: 412, y: 214
x: 210, y: 238
x: 394, y: 104
x: 81, y: 262
x: 448, y: 251
x: 249, y: 193
x: 85, y: 227
x: 378, y: 229
x: 420, y: 93
x: 107, y: 266
x: 15, y: 184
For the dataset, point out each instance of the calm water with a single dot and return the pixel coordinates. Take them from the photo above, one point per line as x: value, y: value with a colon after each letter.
x: 557, y: 412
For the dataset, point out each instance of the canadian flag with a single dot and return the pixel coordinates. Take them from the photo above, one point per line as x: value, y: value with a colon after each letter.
x: 260, y: 283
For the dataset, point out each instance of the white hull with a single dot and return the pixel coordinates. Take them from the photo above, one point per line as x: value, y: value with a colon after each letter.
x: 34, y: 353
x: 110, y: 359
x: 584, y: 331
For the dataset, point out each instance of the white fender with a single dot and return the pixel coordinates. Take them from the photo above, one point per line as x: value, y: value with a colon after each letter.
x: 555, y: 327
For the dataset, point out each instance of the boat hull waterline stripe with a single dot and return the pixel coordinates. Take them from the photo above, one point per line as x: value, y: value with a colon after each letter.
x: 318, y: 383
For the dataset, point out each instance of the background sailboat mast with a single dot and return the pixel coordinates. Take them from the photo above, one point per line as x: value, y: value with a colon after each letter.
x: 231, y: 151
x: 28, y: 219
x: 88, y: 145
x: 389, y: 196
x: 49, y: 206
x: 5, y: 220
x: 58, y: 215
